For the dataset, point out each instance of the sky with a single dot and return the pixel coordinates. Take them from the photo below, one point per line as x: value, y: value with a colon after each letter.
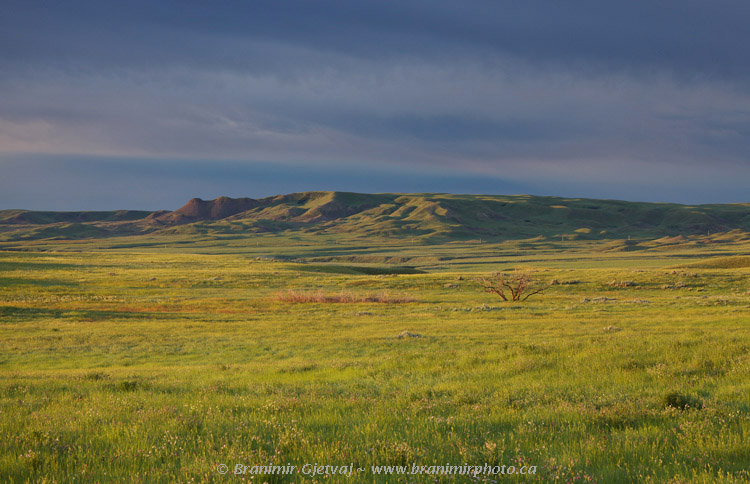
x: 144, y: 105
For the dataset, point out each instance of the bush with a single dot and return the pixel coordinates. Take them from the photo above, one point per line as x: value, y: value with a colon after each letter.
x: 518, y: 286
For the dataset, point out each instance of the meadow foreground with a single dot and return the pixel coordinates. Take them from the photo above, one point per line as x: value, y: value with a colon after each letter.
x: 159, y: 367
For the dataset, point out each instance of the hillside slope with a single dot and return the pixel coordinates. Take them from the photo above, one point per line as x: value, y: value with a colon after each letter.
x: 437, y: 217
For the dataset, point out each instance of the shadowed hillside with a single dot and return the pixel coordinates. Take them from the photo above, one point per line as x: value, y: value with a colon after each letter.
x: 197, y: 210
x: 430, y: 217
x: 28, y: 217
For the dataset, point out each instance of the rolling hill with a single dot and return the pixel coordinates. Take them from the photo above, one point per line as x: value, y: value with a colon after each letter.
x: 428, y: 216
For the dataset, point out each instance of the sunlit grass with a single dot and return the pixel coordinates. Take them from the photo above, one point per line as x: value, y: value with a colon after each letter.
x: 157, y: 367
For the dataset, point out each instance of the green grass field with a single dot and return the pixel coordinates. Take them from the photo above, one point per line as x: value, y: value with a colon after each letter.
x: 157, y: 361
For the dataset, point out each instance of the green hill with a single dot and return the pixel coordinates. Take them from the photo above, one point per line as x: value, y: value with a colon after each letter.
x: 428, y: 216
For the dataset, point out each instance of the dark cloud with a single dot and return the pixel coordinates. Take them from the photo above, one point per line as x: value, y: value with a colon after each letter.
x: 615, y: 95
x: 697, y: 37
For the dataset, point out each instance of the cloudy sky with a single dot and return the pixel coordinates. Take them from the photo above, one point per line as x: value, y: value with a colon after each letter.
x: 145, y: 104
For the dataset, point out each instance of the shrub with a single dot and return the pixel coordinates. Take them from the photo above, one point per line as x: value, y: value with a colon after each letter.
x: 519, y: 286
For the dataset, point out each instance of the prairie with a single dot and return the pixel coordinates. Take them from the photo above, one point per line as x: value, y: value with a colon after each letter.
x: 155, y: 360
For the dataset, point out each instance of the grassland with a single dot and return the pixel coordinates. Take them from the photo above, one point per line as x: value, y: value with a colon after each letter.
x: 155, y: 359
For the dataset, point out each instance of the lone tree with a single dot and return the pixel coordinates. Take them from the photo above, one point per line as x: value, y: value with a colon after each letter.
x: 518, y: 286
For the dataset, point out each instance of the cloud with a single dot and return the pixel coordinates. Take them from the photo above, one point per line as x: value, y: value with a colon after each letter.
x: 697, y: 38
x: 522, y: 91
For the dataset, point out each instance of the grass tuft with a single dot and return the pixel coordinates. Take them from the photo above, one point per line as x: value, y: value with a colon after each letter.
x: 681, y: 402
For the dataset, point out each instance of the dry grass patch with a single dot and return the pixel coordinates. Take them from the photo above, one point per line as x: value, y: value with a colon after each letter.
x: 341, y: 297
